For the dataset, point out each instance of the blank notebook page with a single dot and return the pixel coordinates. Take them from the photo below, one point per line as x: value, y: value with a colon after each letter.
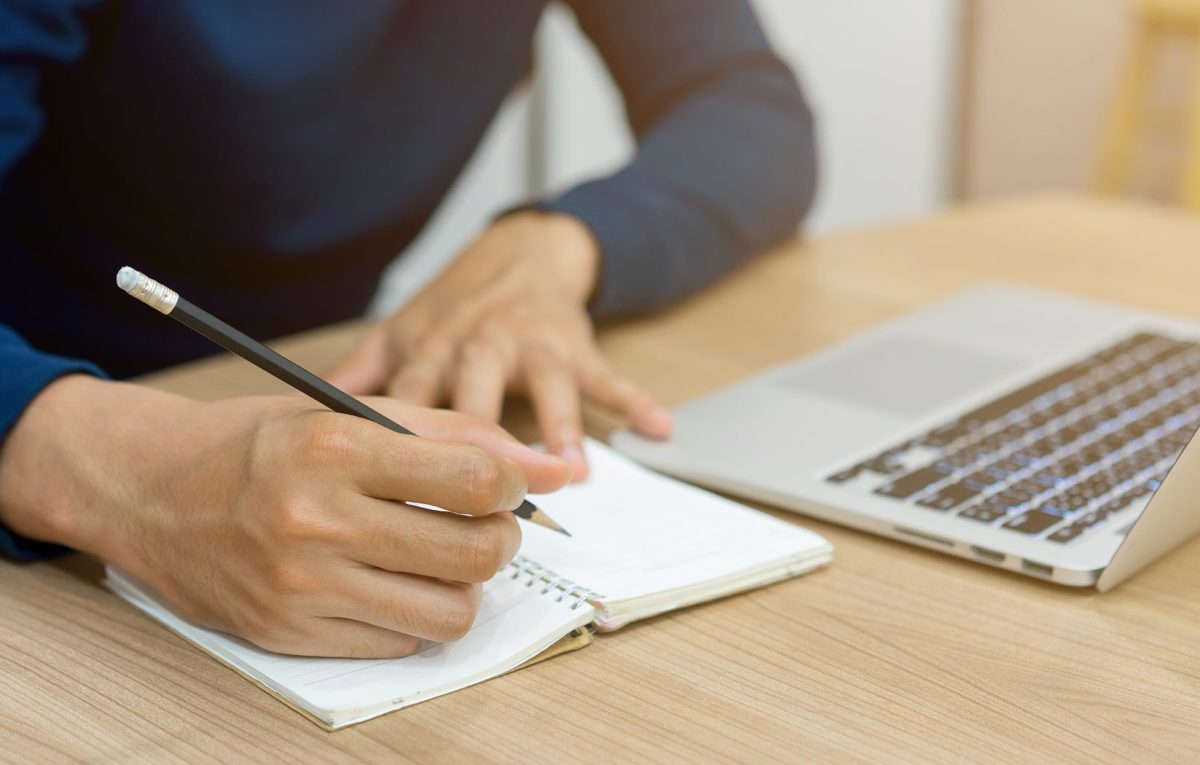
x: 636, y: 532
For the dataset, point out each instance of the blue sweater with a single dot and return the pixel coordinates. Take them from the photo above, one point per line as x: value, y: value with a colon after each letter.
x: 268, y: 158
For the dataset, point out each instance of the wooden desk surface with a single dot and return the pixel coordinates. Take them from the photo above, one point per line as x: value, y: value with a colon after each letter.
x: 894, y: 653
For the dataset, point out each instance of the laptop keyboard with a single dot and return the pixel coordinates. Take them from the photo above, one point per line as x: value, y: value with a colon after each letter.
x: 1059, y: 457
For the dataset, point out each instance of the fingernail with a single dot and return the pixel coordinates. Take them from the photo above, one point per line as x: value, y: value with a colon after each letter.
x: 574, y: 457
x: 660, y: 422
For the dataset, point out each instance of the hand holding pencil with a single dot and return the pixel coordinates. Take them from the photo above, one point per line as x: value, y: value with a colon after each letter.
x: 167, y: 301
x: 274, y: 518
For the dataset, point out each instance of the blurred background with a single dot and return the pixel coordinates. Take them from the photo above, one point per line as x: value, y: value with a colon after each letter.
x: 919, y: 104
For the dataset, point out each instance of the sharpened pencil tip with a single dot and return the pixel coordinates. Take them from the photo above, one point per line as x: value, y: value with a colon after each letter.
x: 546, y: 521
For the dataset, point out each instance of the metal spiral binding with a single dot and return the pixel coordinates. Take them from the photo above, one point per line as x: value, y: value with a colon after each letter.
x: 536, y: 573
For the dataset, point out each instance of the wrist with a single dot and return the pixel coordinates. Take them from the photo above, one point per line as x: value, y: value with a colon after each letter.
x: 64, y: 465
x: 568, y: 252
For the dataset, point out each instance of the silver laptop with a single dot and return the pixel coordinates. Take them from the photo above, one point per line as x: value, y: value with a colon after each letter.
x: 1031, y: 431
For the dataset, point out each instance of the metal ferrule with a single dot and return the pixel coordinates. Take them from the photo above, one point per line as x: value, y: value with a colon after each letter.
x: 157, y: 296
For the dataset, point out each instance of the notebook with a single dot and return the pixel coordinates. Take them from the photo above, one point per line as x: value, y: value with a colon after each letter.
x: 642, y: 544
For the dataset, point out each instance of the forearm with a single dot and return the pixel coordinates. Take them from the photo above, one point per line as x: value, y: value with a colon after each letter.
x: 701, y: 197
x: 725, y: 165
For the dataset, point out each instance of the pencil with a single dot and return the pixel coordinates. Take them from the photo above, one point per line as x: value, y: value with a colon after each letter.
x: 167, y: 301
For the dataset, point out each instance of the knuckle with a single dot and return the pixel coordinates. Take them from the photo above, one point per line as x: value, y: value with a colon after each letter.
x: 482, y: 479
x: 484, y: 549
x: 477, y: 349
x: 542, y: 353
x: 396, y: 613
x: 327, y: 440
x: 431, y: 348
x: 285, y: 579
x: 456, y: 615
x: 508, y: 531
x: 297, y: 519
x: 407, y: 645
x: 397, y: 647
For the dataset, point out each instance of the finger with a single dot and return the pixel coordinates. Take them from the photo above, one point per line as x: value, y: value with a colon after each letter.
x: 545, y: 472
x: 479, y: 381
x: 420, y: 375
x: 419, y: 381
x: 457, y: 477
x: 368, y: 367
x: 605, y: 386
x: 342, y: 638
x: 414, y: 540
x: 555, y: 396
x: 411, y: 605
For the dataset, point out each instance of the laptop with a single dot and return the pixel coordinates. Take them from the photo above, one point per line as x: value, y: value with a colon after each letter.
x: 1035, y: 432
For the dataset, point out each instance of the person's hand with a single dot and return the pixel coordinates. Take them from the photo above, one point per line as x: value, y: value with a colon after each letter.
x: 275, y: 519
x: 509, y: 315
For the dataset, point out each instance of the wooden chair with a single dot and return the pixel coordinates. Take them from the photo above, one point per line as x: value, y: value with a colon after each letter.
x: 1156, y: 22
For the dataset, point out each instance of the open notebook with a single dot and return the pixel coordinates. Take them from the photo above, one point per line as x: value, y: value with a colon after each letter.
x: 642, y: 544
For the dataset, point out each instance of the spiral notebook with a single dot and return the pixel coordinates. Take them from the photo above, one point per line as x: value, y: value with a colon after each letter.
x: 642, y: 544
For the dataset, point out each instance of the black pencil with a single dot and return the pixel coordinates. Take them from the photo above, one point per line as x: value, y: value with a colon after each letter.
x: 167, y: 301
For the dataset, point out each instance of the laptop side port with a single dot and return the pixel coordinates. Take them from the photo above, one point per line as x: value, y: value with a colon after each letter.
x: 923, y: 535
x: 1038, y: 569
x: 986, y: 554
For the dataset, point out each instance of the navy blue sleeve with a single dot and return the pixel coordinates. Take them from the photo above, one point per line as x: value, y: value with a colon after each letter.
x: 725, y: 165
x: 34, y: 34
x: 23, y: 374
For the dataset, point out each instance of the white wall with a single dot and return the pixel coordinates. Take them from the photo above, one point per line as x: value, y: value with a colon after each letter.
x: 880, y: 76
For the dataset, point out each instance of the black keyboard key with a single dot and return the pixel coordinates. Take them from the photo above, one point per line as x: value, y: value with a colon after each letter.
x: 1033, y: 522
x: 1048, y: 479
x: 948, y: 497
x: 1028, y: 485
x: 846, y: 475
x: 1067, y: 533
x: 1043, y: 447
x: 884, y: 464
x: 982, y: 479
x: 1085, y: 522
x: 960, y: 458
x: 1015, y: 400
x: 1009, y: 499
x: 1070, y: 502
x: 985, y: 512
x: 907, y: 485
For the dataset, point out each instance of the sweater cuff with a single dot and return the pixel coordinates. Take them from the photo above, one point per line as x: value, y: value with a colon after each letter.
x: 626, y: 285
x: 26, y: 373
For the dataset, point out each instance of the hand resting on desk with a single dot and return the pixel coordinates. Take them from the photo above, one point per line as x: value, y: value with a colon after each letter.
x: 272, y: 518
x: 509, y: 315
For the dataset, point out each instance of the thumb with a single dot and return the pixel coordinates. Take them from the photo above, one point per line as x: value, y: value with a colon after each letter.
x: 368, y: 367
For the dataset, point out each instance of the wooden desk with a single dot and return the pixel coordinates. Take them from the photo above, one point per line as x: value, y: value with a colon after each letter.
x: 894, y: 653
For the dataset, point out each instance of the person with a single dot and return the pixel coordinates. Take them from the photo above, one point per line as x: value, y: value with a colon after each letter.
x: 268, y: 160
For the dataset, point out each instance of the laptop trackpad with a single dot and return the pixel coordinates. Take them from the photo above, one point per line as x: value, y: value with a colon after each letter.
x: 900, y: 374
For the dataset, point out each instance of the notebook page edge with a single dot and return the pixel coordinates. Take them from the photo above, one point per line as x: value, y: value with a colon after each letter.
x: 612, y: 616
